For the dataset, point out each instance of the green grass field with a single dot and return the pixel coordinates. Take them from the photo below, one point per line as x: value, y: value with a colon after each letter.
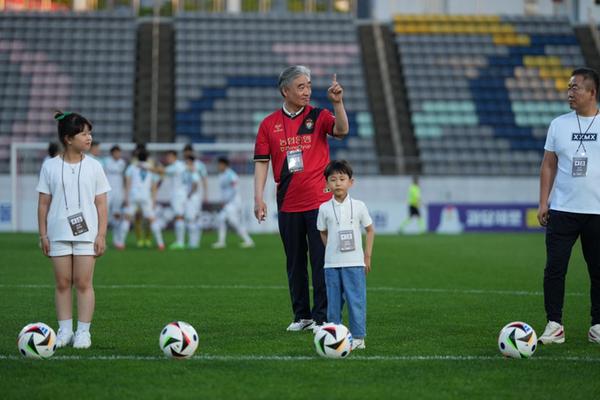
x: 435, y: 306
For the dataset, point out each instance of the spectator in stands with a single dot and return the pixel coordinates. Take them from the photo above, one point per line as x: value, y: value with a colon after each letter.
x: 294, y: 139
x: 570, y: 200
x: 414, y: 206
x: 72, y: 218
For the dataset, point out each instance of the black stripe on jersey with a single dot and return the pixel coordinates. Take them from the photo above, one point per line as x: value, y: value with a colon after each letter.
x: 309, y: 123
x: 265, y: 157
x: 285, y: 178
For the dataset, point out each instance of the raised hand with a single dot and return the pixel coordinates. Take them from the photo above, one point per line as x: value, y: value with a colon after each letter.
x: 335, y: 91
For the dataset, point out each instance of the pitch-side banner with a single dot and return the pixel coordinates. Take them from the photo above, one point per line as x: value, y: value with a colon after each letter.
x: 458, y: 218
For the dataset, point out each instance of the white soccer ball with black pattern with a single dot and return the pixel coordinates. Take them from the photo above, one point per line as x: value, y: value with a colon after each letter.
x: 517, y: 340
x: 37, y: 340
x: 333, y: 341
x: 178, y: 339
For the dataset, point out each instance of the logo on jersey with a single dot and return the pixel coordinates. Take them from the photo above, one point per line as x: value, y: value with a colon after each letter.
x: 278, y: 128
x: 309, y: 124
x: 584, y: 137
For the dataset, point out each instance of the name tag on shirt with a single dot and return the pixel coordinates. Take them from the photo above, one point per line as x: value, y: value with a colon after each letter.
x: 294, y: 160
x: 579, y: 166
x: 78, y: 224
x: 346, y: 239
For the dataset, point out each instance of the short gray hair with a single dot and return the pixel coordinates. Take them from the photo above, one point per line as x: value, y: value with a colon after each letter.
x: 289, y: 74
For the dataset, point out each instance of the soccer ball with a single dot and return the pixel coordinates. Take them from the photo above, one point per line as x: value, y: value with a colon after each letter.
x: 178, y: 340
x: 517, y: 340
x: 333, y: 341
x: 37, y: 340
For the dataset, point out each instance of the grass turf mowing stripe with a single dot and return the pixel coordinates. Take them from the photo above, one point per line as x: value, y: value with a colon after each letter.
x: 274, y: 287
x: 208, y: 357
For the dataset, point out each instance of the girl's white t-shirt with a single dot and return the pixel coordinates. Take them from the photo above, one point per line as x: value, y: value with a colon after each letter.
x: 350, y: 218
x: 92, y: 182
x: 579, y: 194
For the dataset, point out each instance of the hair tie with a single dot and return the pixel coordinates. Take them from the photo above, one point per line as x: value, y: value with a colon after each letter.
x: 62, y: 116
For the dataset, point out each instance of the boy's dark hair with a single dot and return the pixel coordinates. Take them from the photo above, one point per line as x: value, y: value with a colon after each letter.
x: 142, y: 155
x: 190, y: 157
x: 590, y: 75
x: 70, y: 124
x: 188, y: 147
x: 339, y: 166
x: 115, y: 148
x: 95, y: 143
x: 172, y: 152
x: 223, y: 160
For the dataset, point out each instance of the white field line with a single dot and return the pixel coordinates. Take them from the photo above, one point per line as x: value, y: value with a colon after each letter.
x: 274, y: 287
x: 208, y: 357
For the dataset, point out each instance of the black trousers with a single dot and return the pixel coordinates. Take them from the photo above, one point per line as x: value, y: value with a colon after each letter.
x: 561, y: 233
x: 299, y: 234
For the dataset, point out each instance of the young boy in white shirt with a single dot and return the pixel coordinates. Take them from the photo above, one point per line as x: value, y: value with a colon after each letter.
x: 346, y: 266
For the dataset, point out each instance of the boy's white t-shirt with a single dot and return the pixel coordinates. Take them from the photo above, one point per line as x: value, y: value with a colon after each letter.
x: 349, y: 209
x: 141, y: 179
x: 114, y: 170
x: 92, y: 182
x: 575, y: 194
x: 228, y: 182
x: 175, y: 171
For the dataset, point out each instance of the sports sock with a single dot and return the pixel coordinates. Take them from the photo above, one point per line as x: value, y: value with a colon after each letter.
x: 125, y: 225
x: 194, y: 233
x: 83, y: 326
x: 179, y: 231
x: 66, y: 325
x: 155, y: 226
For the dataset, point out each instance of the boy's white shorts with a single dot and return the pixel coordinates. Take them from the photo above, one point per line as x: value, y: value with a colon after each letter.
x: 64, y: 248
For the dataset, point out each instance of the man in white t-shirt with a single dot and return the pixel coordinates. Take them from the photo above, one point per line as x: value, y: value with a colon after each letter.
x: 570, y: 200
x: 114, y: 167
x: 340, y: 221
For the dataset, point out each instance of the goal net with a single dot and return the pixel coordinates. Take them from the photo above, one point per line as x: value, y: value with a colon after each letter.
x: 18, y: 207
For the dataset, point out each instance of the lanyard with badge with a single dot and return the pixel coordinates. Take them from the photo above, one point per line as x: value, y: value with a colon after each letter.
x: 76, y: 221
x: 580, y: 160
x: 294, y: 157
x: 345, y: 237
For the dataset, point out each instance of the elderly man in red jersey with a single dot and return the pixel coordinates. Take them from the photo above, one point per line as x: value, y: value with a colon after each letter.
x: 294, y: 139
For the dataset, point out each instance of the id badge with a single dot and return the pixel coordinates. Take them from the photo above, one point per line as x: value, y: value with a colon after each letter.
x: 78, y: 224
x: 346, y: 239
x: 294, y: 160
x: 579, y: 167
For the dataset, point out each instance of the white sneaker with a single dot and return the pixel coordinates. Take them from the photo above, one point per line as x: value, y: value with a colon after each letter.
x: 218, y: 245
x: 301, y: 325
x: 554, y: 333
x: 358, y: 344
x: 594, y: 334
x: 246, y: 245
x: 63, y: 338
x: 83, y: 340
x: 317, y: 327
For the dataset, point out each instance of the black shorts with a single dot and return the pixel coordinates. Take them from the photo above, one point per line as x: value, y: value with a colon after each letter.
x: 413, y: 211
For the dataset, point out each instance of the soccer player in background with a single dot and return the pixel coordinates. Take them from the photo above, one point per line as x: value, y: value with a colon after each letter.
x: 200, y: 168
x: 72, y: 221
x: 346, y: 265
x: 95, y: 150
x: 570, y: 200
x: 294, y: 139
x: 114, y: 167
x: 140, y: 196
x: 414, y: 205
x: 193, y: 203
x: 231, y: 206
x: 175, y: 171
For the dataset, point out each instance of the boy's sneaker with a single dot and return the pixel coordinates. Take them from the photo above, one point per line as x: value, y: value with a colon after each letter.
x: 317, y: 327
x: 301, y: 325
x: 140, y: 244
x: 83, y: 340
x: 594, y: 334
x: 218, y: 245
x: 246, y: 245
x: 358, y: 344
x: 554, y: 333
x: 176, y: 246
x: 63, y: 338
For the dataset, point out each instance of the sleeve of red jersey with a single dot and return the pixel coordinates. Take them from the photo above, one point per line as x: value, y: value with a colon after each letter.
x: 262, y: 150
x: 328, y: 121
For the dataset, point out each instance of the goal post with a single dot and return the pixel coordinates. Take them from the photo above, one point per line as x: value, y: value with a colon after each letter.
x: 26, y: 160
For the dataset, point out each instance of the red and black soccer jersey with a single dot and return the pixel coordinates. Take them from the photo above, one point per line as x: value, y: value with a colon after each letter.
x: 279, y: 133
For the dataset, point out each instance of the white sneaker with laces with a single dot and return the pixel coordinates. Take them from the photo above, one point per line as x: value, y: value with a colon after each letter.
x: 358, y: 344
x: 301, y: 325
x: 63, y: 338
x: 83, y: 340
x: 218, y: 245
x: 594, y: 334
x: 554, y: 333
